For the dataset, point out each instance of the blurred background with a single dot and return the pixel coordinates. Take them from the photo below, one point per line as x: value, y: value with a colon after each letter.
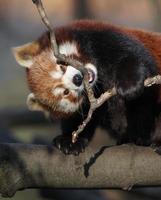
x: 19, y: 24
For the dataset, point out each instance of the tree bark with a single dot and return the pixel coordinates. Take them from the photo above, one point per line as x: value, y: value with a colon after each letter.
x: 39, y: 166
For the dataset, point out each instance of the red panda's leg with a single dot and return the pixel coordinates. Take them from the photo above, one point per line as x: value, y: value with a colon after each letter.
x: 64, y: 142
x: 156, y: 136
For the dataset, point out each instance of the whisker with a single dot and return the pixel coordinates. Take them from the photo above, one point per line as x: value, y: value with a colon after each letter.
x: 80, y: 110
x: 85, y: 93
x: 82, y: 113
x: 54, y: 107
x: 97, y: 89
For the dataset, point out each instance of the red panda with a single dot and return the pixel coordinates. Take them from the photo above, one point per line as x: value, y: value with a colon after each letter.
x: 113, y: 56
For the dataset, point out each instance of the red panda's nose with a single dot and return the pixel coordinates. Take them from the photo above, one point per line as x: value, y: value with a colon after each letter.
x: 78, y: 79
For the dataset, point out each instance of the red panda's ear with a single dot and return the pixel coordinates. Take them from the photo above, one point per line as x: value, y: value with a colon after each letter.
x: 34, y: 105
x: 24, y: 54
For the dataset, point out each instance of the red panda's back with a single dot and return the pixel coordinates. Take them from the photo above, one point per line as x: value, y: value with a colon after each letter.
x: 151, y: 40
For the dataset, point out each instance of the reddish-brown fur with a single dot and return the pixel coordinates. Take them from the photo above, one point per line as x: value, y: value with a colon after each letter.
x: 43, y: 62
x: 41, y: 83
x: 151, y: 40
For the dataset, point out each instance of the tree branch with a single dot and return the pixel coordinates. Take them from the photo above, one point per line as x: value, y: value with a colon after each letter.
x: 38, y: 166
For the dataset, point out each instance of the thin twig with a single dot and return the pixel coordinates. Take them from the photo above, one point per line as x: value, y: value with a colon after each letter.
x: 45, y: 20
x: 151, y: 81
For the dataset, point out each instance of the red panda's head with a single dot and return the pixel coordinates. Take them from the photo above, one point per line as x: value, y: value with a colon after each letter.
x: 55, y: 87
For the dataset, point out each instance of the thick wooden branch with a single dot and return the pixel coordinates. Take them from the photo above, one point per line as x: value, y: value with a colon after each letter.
x: 37, y: 166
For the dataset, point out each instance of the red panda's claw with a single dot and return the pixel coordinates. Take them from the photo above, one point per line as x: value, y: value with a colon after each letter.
x: 65, y: 145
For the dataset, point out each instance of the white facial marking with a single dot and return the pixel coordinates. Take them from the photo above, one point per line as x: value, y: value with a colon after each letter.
x: 58, y: 91
x: 68, y: 48
x: 67, y: 106
x: 56, y: 74
x: 68, y: 77
x: 33, y: 104
x: 74, y: 93
x: 30, y: 100
x: 94, y: 69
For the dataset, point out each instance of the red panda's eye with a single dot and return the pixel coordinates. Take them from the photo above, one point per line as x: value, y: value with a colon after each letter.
x: 61, y: 63
x: 66, y: 92
x: 63, y: 68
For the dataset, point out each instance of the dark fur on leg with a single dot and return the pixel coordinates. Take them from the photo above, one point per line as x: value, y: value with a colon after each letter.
x: 65, y: 145
x: 64, y: 141
x: 156, y: 136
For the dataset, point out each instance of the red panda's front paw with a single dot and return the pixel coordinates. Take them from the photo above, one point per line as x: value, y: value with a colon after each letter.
x: 65, y: 145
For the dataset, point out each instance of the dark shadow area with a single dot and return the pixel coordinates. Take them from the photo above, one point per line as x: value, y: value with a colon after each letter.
x: 72, y: 194
x: 92, y: 160
x: 21, y: 116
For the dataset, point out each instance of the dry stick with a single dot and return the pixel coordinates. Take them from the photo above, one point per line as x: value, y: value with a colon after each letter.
x: 94, y: 103
x: 93, y: 106
x: 151, y: 81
